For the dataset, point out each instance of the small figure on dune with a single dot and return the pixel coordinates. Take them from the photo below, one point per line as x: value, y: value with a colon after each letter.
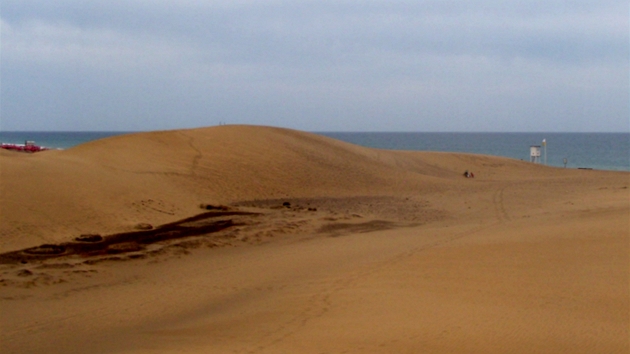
x: 469, y: 174
x: 466, y: 174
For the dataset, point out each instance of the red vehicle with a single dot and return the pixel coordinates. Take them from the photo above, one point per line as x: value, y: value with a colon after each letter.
x: 28, y: 146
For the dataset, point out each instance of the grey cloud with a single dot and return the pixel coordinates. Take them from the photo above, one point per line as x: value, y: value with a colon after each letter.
x: 439, y: 65
x: 258, y: 31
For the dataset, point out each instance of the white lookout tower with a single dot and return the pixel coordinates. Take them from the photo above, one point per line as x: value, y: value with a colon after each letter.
x: 534, y: 153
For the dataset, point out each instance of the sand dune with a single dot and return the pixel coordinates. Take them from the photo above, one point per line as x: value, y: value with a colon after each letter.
x: 112, y: 184
x: 271, y: 240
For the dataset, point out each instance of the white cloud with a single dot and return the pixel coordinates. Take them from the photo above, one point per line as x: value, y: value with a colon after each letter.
x: 64, y: 46
x: 301, y: 63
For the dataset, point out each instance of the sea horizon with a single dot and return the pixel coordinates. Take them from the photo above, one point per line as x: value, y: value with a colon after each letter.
x: 596, y: 150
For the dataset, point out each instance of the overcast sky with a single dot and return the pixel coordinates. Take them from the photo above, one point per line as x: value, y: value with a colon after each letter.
x: 443, y: 65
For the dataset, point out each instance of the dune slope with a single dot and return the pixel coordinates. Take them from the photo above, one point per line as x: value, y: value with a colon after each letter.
x: 110, y: 185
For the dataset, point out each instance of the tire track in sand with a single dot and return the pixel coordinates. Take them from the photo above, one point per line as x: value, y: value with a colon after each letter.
x: 499, y: 206
x: 198, y: 154
x: 320, y: 303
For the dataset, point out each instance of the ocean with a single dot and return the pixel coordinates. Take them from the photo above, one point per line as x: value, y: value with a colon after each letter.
x: 602, y: 151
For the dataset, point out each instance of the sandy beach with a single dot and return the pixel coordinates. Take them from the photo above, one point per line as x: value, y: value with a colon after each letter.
x: 245, y: 239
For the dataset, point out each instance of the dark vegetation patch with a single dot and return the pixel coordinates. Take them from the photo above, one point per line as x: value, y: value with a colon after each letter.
x: 407, y: 209
x: 46, y: 250
x: 340, y: 228
x: 125, y: 242
x: 89, y: 238
x: 214, y: 207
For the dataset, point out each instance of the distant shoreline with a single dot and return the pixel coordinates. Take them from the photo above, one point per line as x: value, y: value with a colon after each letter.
x: 600, y: 151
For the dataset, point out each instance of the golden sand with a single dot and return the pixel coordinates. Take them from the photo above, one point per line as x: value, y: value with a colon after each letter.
x: 306, y: 244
